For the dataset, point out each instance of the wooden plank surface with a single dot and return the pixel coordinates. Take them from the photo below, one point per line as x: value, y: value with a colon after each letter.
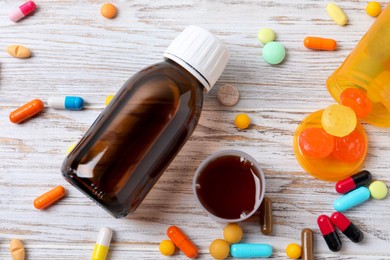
x: 76, y: 51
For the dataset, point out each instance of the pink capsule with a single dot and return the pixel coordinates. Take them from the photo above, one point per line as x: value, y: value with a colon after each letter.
x: 22, y: 11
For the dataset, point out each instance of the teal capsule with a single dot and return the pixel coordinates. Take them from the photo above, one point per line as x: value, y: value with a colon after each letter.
x: 351, y: 199
x: 250, y: 250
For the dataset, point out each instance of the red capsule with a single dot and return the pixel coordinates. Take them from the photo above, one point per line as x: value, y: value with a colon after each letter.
x: 353, y: 182
x: 347, y: 227
x: 329, y: 233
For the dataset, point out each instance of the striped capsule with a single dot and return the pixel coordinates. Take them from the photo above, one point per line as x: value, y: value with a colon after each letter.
x: 347, y: 227
x: 329, y: 233
x: 307, y: 243
x: 251, y: 250
x: 22, y: 11
x: 49, y: 197
x: 351, y: 199
x: 182, y: 242
x: 318, y: 43
x: 68, y: 103
x: 353, y: 182
x: 266, y: 216
x: 102, y: 244
x: 26, y: 111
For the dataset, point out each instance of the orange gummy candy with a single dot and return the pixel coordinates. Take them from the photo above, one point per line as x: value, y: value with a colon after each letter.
x: 357, y: 100
x: 349, y: 148
x: 315, y: 143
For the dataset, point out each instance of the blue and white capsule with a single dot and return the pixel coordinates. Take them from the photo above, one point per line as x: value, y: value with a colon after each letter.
x: 351, y: 199
x: 251, y: 250
x: 67, y: 102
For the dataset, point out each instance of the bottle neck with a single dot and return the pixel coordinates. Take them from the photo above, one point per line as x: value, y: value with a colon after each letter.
x: 190, y: 69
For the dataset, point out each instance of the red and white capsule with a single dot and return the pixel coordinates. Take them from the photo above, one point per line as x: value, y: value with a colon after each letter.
x: 22, y: 11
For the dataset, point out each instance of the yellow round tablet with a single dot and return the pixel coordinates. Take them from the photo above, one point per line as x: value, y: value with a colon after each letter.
x: 242, y: 121
x: 219, y: 249
x: 378, y: 190
x: 232, y: 233
x: 167, y: 247
x: 293, y: 251
x: 108, y: 10
x: 373, y: 9
x: 338, y: 120
x: 266, y: 35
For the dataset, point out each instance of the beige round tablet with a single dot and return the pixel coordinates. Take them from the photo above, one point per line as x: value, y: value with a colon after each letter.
x: 228, y: 95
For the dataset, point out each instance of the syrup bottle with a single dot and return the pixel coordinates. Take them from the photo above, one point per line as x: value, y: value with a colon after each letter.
x: 134, y: 139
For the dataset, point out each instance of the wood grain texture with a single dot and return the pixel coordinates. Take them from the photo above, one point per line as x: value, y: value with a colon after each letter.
x: 76, y: 51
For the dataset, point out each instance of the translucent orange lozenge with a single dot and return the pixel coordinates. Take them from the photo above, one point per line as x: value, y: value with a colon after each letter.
x: 357, y: 100
x: 349, y: 148
x: 315, y: 143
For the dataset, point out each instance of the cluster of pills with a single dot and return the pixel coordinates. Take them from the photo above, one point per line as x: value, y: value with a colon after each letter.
x: 306, y: 250
x: 228, y: 95
x: 355, y: 193
x: 273, y: 52
x: 177, y: 238
x: 35, y: 106
x: 331, y: 144
x: 222, y: 248
x: 232, y: 233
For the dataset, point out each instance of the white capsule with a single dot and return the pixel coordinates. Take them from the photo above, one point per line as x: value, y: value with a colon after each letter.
x: 68, y: 103
x: 103, y: 242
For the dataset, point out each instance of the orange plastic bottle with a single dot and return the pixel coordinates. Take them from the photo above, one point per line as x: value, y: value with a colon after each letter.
x: 368, y: 68
x: 139, y: 133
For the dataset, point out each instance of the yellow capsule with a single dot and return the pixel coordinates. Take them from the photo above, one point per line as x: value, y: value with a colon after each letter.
x: 337, y: 14
x: 108, y: 99
x: 102, y: 244
x: 71, y: 147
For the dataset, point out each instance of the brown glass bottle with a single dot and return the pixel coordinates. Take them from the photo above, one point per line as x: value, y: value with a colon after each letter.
x: 140, y: 132
x: 132, y: 142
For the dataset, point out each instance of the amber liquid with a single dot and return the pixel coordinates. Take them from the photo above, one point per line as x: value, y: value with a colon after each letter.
x: 135, y: 138
x: 226, y: 187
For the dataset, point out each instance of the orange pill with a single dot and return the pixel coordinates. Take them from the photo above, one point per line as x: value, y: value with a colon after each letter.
x: 182, y: 241
x: 49, y: 197
x: 26, y: 111
x: 317, y: 43
x: 108, y: 10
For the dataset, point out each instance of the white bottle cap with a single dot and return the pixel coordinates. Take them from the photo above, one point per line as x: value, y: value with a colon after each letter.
x: 199, y: 52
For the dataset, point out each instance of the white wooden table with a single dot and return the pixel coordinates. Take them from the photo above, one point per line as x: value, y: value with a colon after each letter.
x: 78, y: 52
